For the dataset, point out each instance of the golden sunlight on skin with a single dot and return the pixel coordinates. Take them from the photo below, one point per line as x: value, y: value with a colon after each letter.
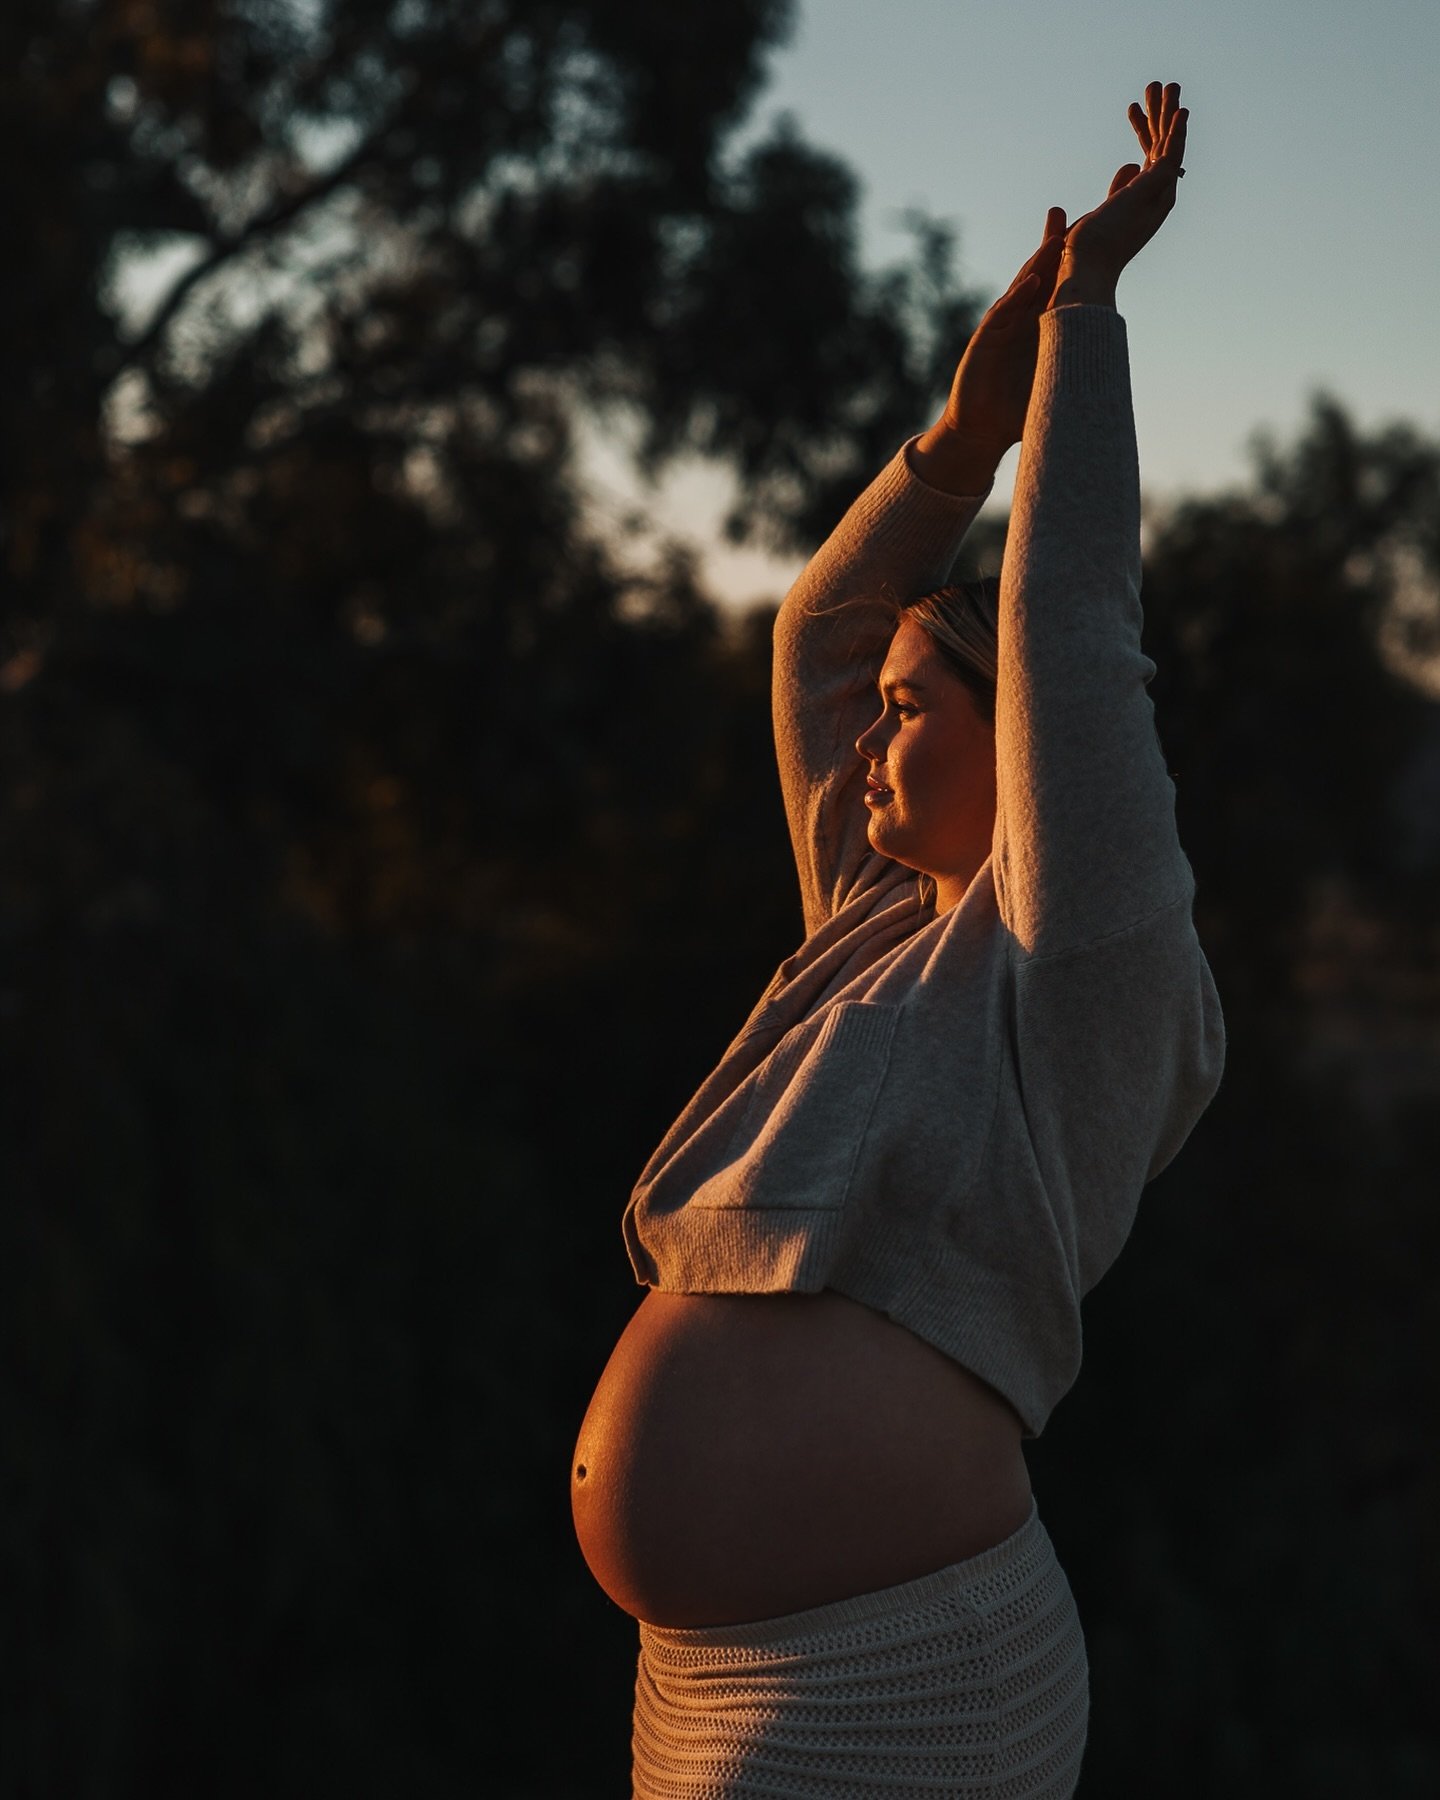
x: 931, y: 791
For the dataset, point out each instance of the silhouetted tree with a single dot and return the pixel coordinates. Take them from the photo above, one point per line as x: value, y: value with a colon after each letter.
x: 1292, y: 624
x: 363, y: 807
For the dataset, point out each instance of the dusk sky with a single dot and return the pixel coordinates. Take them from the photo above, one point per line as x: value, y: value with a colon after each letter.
x: 1304, y: 252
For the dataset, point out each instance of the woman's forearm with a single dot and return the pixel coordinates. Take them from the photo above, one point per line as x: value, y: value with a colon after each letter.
x: 897, y: 541
x: 959, y: 458
x: 985, y: 413
x: 1085, y: 837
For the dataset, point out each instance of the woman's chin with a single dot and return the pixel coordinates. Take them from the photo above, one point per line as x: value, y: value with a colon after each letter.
x: 888, y: 840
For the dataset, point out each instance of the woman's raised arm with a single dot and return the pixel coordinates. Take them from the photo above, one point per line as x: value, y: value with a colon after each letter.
x: 1086, y: 845
x: 989, y: 397
x: 896, y: 542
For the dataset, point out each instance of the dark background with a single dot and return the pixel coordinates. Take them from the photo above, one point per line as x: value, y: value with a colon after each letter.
x: 385, y: 855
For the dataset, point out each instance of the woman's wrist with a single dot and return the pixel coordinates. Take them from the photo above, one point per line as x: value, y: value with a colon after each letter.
x: 953, y: 461
x: 1083, y: 281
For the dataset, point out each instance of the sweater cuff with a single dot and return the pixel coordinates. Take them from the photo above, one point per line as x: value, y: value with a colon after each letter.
x: 907, y: 520
x: 1084, y: 350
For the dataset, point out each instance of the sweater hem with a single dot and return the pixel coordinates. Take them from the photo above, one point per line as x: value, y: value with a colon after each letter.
x: 969, y: 1314
x: 740, y: 1250
x: 951, y: 1304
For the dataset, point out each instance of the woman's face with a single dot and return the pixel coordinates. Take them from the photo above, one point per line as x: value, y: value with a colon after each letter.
x: 931, y: 790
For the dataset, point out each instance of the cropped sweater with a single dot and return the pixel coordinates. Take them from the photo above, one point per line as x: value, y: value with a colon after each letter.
x: 950, y: 1117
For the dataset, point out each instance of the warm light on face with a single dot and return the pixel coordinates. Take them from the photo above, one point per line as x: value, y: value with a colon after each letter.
x: 931, y: 765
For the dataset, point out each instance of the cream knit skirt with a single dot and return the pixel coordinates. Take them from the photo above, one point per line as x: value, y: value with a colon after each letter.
x: 971, y: 1681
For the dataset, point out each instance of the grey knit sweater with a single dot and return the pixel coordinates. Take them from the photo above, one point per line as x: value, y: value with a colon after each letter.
x: 950, y: 1118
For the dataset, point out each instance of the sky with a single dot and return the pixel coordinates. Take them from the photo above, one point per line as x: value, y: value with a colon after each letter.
x: 1303, y: 253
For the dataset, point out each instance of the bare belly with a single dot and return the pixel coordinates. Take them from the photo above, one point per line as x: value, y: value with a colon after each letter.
x: 750, y: 1455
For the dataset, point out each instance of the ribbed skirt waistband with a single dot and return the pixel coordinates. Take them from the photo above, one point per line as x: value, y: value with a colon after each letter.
x: 968, y: 1681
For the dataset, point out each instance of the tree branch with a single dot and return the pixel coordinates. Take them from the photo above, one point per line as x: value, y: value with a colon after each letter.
x: 277, y: 216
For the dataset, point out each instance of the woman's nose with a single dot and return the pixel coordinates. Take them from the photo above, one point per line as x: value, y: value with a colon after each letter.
x: 867, y: 744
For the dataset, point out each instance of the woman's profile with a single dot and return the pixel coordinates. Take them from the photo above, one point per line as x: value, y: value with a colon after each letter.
x: 866, y: 1238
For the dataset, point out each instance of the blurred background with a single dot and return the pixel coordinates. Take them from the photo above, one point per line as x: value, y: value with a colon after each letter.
x: 412, y: 412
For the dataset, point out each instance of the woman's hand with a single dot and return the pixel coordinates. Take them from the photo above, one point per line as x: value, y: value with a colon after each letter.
x: 1100, y: 244
x: 985, y: 413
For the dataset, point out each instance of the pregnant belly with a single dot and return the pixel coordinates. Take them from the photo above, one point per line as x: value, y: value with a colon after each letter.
x: 750, y: 1455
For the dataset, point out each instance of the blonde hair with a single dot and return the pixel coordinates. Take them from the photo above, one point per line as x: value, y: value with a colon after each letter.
x: 964, y: 620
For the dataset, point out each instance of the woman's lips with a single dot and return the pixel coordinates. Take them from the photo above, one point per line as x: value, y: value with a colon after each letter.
x: 876, y: 794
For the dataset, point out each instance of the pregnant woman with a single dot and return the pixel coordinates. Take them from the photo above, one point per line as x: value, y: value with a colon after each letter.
x: 867, y: 1236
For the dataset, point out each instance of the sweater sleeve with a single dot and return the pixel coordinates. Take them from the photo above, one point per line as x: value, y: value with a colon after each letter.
x: 897, y: 542
x: 1085, y: 843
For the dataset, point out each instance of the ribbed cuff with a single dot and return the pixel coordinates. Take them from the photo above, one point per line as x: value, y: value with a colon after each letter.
x: 1084, y: 350
x: 909, y: 518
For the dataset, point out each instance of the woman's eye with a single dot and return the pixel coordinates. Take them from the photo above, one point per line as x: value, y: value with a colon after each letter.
x: 905, y: 709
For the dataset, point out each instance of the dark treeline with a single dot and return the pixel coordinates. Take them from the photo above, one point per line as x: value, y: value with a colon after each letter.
x: 386, y: 852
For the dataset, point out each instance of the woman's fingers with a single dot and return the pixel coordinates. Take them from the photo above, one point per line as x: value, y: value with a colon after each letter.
x: 1031, y: 286
x: 1051, y: 243
x: 1169, y: 112
x: 1175, y: 141
x: 1033, y: 282
x: 1160, y: 126
x: 1054, y: 228
x: 1123, y: 177
x: 1154, y: 122
x: 1046, y: 260
x: 1154, y: 105
x: 1047, y: 257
